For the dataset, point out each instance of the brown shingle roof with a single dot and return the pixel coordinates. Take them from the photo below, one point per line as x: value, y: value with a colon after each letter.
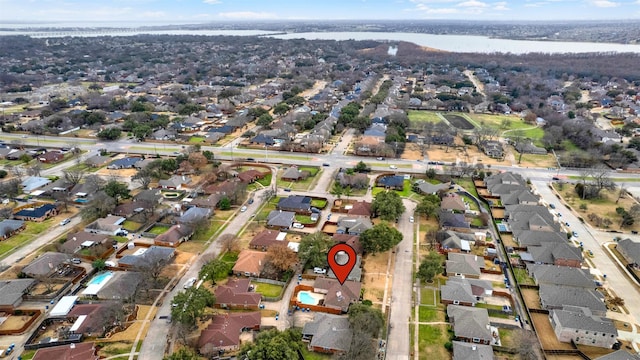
x: 81, y: 351
x: 236, y: 292
x: 265, y: 239
x: 225, y: 330
x: 250, y: 261
x: 362, y: 208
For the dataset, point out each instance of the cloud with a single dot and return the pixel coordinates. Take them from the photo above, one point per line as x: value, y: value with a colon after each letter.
x: 500, y: 6
x: 247, y: 15
x: 212, y: 2
x: 604, y: 3
x: 472, y: 4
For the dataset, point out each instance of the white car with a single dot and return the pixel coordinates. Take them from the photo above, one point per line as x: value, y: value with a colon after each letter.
x: 392, y: 167
x: 319, y: 270
x: 243, y: 209
x: 65, y: 222
x: 297, y: 226
x: 410, y: 218
x: 190, y: 283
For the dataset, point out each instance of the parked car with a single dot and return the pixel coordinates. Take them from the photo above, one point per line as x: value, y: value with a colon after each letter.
x: 65, y: 222
x: 287, y: 189
x: 76, y: 261
x: 552, y: 206
x: 326, y: 164
x: 410, y: 218
x: 392, y: 167
x: 190, y: 283
x: 297, y: 226
x: 319, y: 270
x: 380, y: 158
x: 243, y: 209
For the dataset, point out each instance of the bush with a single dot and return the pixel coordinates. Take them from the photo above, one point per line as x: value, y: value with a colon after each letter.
x: 3, y: 174
x: 448, y: 345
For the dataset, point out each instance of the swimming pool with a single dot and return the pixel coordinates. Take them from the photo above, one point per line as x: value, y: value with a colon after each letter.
x: 97, y: 283
x: 502, y: 227
x: 309, y: 298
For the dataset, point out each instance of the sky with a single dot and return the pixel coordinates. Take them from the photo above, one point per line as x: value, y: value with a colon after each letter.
x: 202, y: 11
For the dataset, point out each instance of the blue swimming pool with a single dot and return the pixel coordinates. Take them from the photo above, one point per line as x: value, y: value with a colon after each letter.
x: 98, y: 279
x: 81, y: 201
x: 309, y: 298
x: 502, y: 227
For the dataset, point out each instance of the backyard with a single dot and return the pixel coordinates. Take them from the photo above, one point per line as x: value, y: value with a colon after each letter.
x: 267, y: 290
x: 302, y: 184
x: 158, y: 229
x: 431, y: 340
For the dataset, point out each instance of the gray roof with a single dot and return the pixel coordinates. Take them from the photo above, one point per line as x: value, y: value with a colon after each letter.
x: 353, y: 225
x: 280, y: 218
x: 619, y: 355
x: 505, y: 178
x: 292, y: 173
x: 154, y: 254
x: 329, y: 331
x: 536, y: 238
x: 470, y: 351
x: 428, y: 188
x: 631, y: 249
x: 557, y: 296
x: 11, y: 291
x: 45, y: 263
x: 466, y: 264
x: 449, y: 219
x: 470, y: 322
x: 297, y: 202
x: 561, y: 275
x: 582, y: 319
x: 122, y: 286
x: 518, y: 196
x: 548, y: 253
x: 8, y: 226
x: 194, y: 214
x: 457, y: 289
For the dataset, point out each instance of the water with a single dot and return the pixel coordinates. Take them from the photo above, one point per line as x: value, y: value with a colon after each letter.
x: 306, y: 298
x: 98, y: 279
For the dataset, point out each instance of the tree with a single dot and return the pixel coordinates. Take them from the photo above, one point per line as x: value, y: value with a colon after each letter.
x: 101, y: 205
x: 109, y: 134
x: 99, y: 264
x: 366, y: 319
x: 431, y: 173
x: 380, y: 238
x: 73, y: 176
x: 273, y: 344
x: 224, y: 204
x: 144, y: 177
x: 264, y: 120
x: 214, y: 270
x: 25, y: 158
x: 361, y: 167
x: 184, y: 353
x: 528, y: 345
x: 281, y: 257
x: 430, y: 267
x: 189, y: 305
x: 314, y: 248
x: 228, y: 243
x: 198, y: 160
x: 208, y: 155
x: 117, y: 190
x: 428, y: 206
x: 388, y: 205
x: 337, y: 189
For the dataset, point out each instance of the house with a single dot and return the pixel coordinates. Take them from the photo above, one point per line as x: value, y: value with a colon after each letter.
x: 295, y: 203
x: 147, y: 257
x: 280, y: 219
x: 452, y: 202
x: 33, y: 182
x: 527, y: 238
x: 619, y: 355
x: 578, y: 325
x: 11, y: 292
x: 209, y: 202
x: 561, y: 254
x: 395, y: 182
x: 9, y: 227
x: 250, y: 263
x: 250, y: 176
x: 235, y: 294
x: 73, y: 351
x: 38, y: 214
x: 448, y: 219
x: 51, y: 157
x: 351, y: 240
x: 176, y: 182
x: 223, y: 333
x: 561, y: 275
x: 470, y: 351
x: 82, y: 239
x: 131, y: 208
x: 428, y: 188
x: 455, y: 240
x: 630, y: 250
x: 176, y: 235
x: 470, y: 324
x: 195, y: 215
x: 109, y: 225
x: 520, y: 196
x: 293, y: 174
x: 504, y: 183
x: 492, y: 148
x: 262, y: 139
x: 152, y: 196
x: 356, y: 272
x: 90, y: 319
x: 527, y: 147
x: 328, y: 333
x: 557, y: 296
x: 266, y: 238
x: 124, y: 163
x: 467, y: 265
x: 463, y: 291
x: 122, y: 286
x: 144, y: 163
x: 337, y: 296
x: 164, y: 134
x: 353, y: 225
x: 359, y: 208
x: 45, y: 264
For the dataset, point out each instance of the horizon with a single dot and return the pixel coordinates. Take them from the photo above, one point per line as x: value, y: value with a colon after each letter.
x: 180, y: 12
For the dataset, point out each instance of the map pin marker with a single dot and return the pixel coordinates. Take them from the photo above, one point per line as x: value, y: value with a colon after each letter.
x: 342, y: 259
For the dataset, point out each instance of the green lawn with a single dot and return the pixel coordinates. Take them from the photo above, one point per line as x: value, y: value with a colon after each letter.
x: 423, y: 116
x: 133, y: 226
x: 467, y: 184
x: 313, y: 170
x: 522, y: 277
x: 268, y: 290
x: 431, y: 339
x: 28, y: 354
x: 230, y: 257
x: 158, y: 229
x: 426, y: 297
x: 318, y: 203
x: 196, y: 139
x: 266, y: 181
x: 84, y: 167
x: 303, y: 219
x: 310, y: 355
x: 430, y: 314
x: 206, y: 234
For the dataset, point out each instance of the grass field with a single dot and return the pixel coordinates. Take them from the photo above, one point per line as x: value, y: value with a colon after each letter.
x: 196, y: 140
x: 133, y: 226
x: 429, y: 314
x: 423, y: 116
x: 522, y: 277
x: 310, y: 355
x: 158, y: 229
x: 25, y: 236
x: 431, y: 339
x: 268, y: 290
x: 265, y: 181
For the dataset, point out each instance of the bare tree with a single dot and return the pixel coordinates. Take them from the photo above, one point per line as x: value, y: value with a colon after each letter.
x: 529, y: 346
x: 623, y: 192
x: 228, y: 243
x: 74, y: 176
x: 35, y: 169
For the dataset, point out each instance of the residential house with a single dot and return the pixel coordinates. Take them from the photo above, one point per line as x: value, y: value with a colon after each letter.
x: 470, y: 324
x: 51, y: 157
x: 164, y: 134
x: 467, y: 265
x: 356, y: 271
x: 235, y: 294
x: 82, y: 239
x: 45, y: 264
x: 267, y: 238
x: 453, y: 240
x: 131, y: 208
x: 619, y: 355
x: 97, y: 161
x: 122, y: 286
x: 195, y: 215
x: 328, y: 333
x: 90, y: 319
x: 519, y: 196
x: 395, y: 182
x: 250, y: 176
x: 37, y: 214
x: 453, y: 202
x: 337, y: 296
x: 176, y: 235
x: 558, y: 296
x: 353, y: 225
x: 108, y: 225
x: 492, y: 148
x: 9, y: 227
x: 526, y: 238
x: 351, y: 240
x: 463, y: 291
x: 147, y: 257
x: 144, y: 163
x: 152, y: 196
x: 73, y: 351
x: 470, y: 351
x: 527, y: 147
x: 223, y: 333
x: 630, y: 250
x: 279, y: 219
x: 250, y: 263
x: 293, y: 174
x: 561, y: 275
x: 359, y: 208
x: 209, y: 202
x: 428, y: 188
x: 11, y: 292
x: 33, y: 182
x: 578, y: 325
x: 504, y: 183
x: 262, y: 139
x: 176, y: 182
x: 448, y: 220
x: 124, y: 163
x: 295, y: 203
x: 561, y: 254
